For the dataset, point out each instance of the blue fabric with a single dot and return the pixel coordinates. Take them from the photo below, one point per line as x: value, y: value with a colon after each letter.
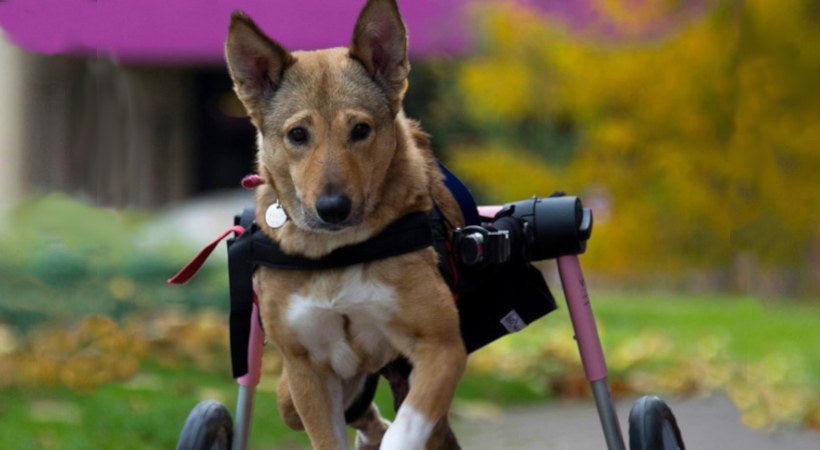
x: 465, y: 199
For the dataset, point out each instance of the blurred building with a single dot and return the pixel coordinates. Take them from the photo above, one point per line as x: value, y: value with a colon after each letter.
x: 119, y: 135
x: 11, y: 99
x: 130, y: 104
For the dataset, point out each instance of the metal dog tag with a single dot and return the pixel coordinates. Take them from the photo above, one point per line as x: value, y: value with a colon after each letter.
x: 275, y: 216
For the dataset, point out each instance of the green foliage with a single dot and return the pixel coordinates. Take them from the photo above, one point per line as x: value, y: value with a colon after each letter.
x: 700, y: 143
x: 63, y: 260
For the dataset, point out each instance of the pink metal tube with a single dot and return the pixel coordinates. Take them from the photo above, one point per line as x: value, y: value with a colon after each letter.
x: 255, y: 347
x: 583, y: 321
x: 489, y: 210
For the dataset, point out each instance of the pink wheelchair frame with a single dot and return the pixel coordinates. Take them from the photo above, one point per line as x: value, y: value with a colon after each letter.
x: 652, y: 425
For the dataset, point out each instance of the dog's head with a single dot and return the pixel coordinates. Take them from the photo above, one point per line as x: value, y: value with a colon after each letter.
x: 325, y: 118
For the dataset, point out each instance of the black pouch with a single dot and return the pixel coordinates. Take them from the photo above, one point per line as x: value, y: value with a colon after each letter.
x: 495, y: 301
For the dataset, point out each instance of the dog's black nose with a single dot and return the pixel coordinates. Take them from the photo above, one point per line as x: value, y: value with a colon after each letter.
x: 333, y: 208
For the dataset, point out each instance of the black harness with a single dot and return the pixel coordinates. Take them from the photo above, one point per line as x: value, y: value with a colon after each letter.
x: 492, y: 301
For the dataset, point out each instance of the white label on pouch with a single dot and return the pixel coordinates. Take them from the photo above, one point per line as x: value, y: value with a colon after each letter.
x: 513, y: 322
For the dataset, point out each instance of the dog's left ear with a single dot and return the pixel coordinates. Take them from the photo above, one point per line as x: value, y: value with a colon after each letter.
x: 380, y: 43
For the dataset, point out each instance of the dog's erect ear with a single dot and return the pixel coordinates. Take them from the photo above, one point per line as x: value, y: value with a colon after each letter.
x: 380, y: 43
x: 256, y: 63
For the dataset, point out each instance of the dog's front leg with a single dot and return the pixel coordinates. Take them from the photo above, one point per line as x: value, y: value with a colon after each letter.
x: 319, y: 401
x: 436, y: 372
x: 435, y: 348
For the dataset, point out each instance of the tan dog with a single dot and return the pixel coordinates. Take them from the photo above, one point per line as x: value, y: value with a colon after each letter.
x: 338, y: 154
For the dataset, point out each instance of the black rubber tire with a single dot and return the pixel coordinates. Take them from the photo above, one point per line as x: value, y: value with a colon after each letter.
x: 208, y: 427
x: 652, y: 426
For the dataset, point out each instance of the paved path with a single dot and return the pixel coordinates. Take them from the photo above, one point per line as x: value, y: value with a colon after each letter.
x: 706, y: 424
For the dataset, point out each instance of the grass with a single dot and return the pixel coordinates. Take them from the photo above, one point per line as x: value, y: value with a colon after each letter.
x: 749, y: 327
x: 762, y: 355
x: 148, y: 410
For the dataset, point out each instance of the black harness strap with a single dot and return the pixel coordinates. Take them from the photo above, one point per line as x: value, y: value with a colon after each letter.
x: 408, y: 234
x: 240, y: 277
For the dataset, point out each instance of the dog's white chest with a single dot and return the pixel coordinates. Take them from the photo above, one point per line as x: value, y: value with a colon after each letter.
x: 340, y: 320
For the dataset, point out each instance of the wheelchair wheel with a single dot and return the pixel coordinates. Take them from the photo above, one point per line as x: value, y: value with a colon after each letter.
x: 208, y: 427
x: 652, y: 426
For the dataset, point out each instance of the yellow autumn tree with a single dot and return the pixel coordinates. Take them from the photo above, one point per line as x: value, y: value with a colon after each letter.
x: 701, y: 141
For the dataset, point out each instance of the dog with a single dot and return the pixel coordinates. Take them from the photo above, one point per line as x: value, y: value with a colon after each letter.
x: 340, y: 162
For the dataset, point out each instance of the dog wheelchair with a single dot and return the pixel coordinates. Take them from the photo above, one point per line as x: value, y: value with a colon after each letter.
x: 498, y: 244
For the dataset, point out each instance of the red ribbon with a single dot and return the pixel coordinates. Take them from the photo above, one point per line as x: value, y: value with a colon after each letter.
x: 190, y: 269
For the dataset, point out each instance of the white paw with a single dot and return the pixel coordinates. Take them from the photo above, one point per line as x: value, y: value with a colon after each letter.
x: 409, y: 431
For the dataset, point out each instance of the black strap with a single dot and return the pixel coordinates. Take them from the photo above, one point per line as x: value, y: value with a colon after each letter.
x: 240, y: 277
x: 410, y: 233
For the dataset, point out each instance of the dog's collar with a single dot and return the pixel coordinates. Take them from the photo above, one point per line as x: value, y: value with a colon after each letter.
x: 408, y: 234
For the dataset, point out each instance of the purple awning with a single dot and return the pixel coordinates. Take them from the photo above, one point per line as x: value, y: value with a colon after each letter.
x: 180, y: 31
x: 193, y: 31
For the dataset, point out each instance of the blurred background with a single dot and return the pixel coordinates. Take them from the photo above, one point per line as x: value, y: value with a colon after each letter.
x: 690, y: 127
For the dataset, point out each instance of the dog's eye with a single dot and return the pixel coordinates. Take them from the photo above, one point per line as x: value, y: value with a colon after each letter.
x: 298, y: 136
x: 360, y: 132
